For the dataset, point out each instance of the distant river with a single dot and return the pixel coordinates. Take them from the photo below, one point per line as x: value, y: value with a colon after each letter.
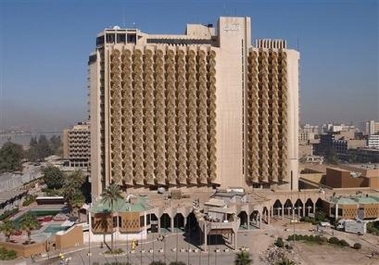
x: 24, y: 139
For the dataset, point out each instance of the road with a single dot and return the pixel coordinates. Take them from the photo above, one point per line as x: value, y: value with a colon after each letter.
x: 173, y: 247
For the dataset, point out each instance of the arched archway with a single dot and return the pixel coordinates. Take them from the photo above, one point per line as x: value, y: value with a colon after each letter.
x: 165, y: 223
x: 255, y: 219
x: 309, y: 207
x: 288, y: 207
x: 319, y: 205
x: 278, y: 208
x: 299, y: 208
x: 178, y: 222
x: 319, y: 210
x: 153, y: 223
x: 244, y: 220
x: 265, y: 215
x: 192, y: 223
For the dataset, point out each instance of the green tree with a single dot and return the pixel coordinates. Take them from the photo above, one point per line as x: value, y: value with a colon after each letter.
x: 77, y: 202
x: 109, y: 196
x: 7, y: 228
x: 32, y: 154
x: 56, y: 145
x: 28, y: 224
x: 243, y: 258
x: 72, y: 191
x: 53, y: 177
x: 39, y: 149
x: 43, y: 147
x: 331, y: 156
x: 11, y: 156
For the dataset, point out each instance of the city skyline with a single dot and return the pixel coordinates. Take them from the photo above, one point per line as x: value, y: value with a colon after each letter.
x: 44, y: 47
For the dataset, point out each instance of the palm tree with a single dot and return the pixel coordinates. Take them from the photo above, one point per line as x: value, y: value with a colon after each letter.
x: 28, y: 224
x: 76, y: 203
x: 8, y: 229
x: 243, y: 258
x: 109, y: 196
x: 71, y: 188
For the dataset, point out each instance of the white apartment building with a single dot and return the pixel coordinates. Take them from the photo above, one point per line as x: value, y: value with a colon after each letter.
x: 372, y: 127
x: 373, y: 141
x: 202, y: 109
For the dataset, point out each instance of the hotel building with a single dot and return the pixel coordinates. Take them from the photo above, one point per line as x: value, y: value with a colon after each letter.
x: 203, y: 109
x: 76, y: 145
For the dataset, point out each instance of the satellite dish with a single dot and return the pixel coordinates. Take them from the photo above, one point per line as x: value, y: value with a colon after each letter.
x: 116, y: 27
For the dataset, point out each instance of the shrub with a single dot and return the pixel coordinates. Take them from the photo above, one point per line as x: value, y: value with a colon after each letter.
x: 157, y: 263
x: 307, y: 219
x: 29, y: 200
x: 323, y: 240
x: 289, y: 247
x: 334, y: 240
x: 115, y: 251
x: 344, y: 243
x: 373, y: 228
x: 8, y: 213
x: 6, y: 254
x: 279, y: 242
x: 357, y: 246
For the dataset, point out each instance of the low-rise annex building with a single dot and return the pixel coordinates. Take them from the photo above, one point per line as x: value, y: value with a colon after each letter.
x: 363, y: 207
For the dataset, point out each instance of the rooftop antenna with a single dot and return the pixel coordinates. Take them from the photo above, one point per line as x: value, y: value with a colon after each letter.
x: 226, y: 11
x: 298, y: 43
x: 123, y: 17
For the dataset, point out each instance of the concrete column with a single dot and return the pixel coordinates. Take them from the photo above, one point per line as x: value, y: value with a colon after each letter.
x: 159, y: 224
x: 336, y: 214
x: 282, y: 211
x: 303, y: 210
x: 260, y: 219
x: 248, y: 221
x: 271, y: 211
x: 172, y: 224
x: 235, y: 240
x: 145, y: 220
x: 314, y: 209
x: 205, y: 247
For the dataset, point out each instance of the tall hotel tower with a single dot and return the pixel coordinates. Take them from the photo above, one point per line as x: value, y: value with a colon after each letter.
x: 202, y: 109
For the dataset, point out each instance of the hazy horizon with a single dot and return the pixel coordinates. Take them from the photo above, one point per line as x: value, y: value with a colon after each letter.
x: 45, y: 45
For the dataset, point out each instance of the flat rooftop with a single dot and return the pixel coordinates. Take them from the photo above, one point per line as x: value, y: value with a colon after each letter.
x: 355, y: 199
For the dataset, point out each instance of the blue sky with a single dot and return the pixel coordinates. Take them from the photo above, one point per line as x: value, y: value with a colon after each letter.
x: 44, y: 48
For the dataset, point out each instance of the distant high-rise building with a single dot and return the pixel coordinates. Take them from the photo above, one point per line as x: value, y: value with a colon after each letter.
x: 202, y: 109
x: 372, y: 127
x: 76, y: 145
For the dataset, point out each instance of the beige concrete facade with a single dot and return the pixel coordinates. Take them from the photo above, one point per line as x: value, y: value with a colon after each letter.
x: 76, y: 145
x: 195, y: 110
